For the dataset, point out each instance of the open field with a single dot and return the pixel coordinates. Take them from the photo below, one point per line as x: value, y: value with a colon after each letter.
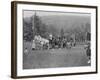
x: 76, y: 56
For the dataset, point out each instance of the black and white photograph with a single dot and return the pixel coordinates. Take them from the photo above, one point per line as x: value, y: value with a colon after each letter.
x: 56, y: 39
x: 53, y: 39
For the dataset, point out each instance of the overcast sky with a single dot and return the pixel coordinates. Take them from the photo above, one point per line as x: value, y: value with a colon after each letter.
x: 30, y: 13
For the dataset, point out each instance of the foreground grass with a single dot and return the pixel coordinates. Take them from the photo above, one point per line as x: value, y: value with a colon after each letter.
x: 55, y: 58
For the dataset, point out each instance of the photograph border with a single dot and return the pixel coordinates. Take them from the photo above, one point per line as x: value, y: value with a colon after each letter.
x: 14, y: 37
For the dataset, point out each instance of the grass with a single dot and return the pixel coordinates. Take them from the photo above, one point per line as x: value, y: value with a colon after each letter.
x: 53, y: 58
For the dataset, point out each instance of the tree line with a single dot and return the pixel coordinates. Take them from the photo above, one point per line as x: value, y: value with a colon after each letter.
x: 36, y: 26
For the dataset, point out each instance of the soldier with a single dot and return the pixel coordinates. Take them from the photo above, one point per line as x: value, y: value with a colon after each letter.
x: 50, y: 40
x: 64, y: 42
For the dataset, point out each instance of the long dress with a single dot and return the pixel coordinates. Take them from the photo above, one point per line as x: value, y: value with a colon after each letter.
x: 33, y: 44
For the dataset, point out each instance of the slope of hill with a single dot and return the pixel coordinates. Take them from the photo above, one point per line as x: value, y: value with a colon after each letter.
x: 56, y: 22
x: 65, y: 22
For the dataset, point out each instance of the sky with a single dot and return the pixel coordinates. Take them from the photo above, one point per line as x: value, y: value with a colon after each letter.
x: 29, y: 13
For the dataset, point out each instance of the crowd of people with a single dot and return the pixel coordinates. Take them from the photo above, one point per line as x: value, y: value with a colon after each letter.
x: 52, y: 42
x: 40, y: 43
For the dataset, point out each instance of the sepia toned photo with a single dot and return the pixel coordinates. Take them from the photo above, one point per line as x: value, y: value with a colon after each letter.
x: 56, y: 39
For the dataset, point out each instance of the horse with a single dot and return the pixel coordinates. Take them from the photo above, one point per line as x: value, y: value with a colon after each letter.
x: 40, y: 42
x: 68, y: 45
x: 45, y: 43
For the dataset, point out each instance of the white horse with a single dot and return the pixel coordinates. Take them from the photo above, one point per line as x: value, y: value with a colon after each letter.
x: 44, y: 42
x: 40, y: 43
x: 36, y: 42
x: 68, y: 45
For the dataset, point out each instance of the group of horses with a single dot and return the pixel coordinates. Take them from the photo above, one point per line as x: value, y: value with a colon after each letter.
x: 51, y: 43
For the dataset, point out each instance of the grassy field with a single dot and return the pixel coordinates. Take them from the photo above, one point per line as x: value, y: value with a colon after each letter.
x: 53, y: 58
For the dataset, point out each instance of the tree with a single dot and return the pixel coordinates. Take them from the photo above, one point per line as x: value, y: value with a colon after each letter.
x: 88, y: 36
x: 87, y: 31
x: 62, y: 32
x: 27, y: 30
x: 38, y: 26
x: 43, y: 30
x: 87, y: 27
